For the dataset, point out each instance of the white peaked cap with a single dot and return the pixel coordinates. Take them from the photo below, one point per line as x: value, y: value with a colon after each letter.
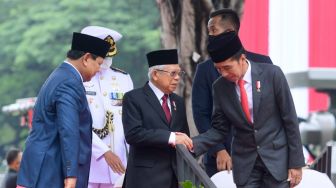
x: 101, y: 32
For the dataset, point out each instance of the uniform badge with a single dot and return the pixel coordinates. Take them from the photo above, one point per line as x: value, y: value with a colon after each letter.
x: 258, y: 86
x: 113, y: 50
x: 90, y: 100
x: 174, y: 105
x: 116, y: 98
x: 88, y: 85
x: 90, y: 93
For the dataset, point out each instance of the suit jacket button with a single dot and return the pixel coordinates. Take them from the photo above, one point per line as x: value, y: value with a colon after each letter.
x: 258, y: 147
x: 255, y: 130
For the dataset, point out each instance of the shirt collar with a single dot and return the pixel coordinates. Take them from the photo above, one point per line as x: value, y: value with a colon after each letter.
x: 158, y: 93
x: 247, y: 76
x: 75, y: 69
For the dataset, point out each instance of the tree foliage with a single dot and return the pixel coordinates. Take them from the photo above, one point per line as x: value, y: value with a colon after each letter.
x: 36, y: 34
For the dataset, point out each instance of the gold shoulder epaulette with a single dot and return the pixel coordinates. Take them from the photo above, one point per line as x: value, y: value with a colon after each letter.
x: 119, y: 70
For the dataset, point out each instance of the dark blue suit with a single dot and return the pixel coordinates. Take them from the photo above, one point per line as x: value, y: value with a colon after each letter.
x: 205, y: 76
x: 59, y: 144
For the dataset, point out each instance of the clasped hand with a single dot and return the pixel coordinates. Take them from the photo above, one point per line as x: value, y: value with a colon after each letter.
x: 182, y: 138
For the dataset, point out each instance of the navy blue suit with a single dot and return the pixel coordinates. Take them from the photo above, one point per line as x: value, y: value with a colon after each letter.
x: 202, y: 101
x: 59, y: 144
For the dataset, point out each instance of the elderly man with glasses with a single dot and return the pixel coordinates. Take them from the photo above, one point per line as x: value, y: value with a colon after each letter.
x: 154, y: 121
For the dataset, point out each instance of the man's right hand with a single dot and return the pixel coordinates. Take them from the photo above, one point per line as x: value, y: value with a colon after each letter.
x: 182, y: 138
x: 114, y: 162
x: 70, y: 182
x: 223, y: 160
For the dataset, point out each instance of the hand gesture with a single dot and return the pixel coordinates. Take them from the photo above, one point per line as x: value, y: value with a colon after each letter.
x: 114, y: 162
x: 182, y: 138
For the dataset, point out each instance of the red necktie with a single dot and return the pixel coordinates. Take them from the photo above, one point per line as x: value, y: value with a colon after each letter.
x: 165, y: 107
x: 244, y: 100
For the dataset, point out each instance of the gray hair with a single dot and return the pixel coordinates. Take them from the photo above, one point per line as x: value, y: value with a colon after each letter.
x: 151, y: 69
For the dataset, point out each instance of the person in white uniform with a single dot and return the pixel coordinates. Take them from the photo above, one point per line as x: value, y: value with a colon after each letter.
x: 104, y: 94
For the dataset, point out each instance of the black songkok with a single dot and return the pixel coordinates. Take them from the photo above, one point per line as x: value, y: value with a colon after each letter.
x: 224, y: 46
x: 162, y: 57
x: 90, y: 44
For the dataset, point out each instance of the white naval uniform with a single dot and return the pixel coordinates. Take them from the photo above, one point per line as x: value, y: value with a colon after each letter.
x: 98, y: 93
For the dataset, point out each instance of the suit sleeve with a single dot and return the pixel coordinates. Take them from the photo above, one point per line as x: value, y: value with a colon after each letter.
x: 216, y: 134
x: 68, y: 109
x: 289, y: 119
x: 135, y: 133
x: 202, y: 103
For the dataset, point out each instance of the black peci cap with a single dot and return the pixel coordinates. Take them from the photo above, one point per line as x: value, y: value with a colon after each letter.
x: 224, y: 46
x: 90, y: 44
x: 162, y: 57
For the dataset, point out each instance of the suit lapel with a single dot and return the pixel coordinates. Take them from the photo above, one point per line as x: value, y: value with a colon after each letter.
x: 154, y: 102
x: 256, y: 88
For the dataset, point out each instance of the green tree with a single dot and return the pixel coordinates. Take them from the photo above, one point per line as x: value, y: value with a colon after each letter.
x: 36, y: 34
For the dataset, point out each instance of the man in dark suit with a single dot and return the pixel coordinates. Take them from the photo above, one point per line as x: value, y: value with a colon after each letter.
x: 58, y: 149
x: 13, y: 159
x: 154, y: 121
x: 254, y: 100
x: 217, y: 158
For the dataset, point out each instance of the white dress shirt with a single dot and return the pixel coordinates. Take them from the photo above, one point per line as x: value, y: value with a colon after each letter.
x: 159, y: 94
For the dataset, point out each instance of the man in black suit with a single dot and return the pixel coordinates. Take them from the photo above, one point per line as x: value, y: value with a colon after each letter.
x: 13, y: 161
x: 217, y: 158
x: 254, y: 100
x: 154, y: 121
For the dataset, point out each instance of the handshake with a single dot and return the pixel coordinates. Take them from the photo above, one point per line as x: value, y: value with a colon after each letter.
x: 182, y: 138
x: 223, y: 159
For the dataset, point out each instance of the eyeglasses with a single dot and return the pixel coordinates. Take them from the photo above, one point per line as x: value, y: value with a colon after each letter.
x: 173, y: 74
